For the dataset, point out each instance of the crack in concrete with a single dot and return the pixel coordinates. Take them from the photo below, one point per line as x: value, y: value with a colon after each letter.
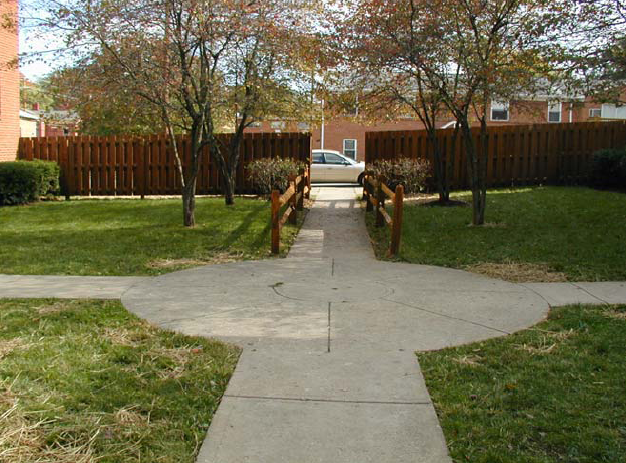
x: 304, y: 399
x: 448, y: 316
x: 329, y: 309
x: 592, y: 295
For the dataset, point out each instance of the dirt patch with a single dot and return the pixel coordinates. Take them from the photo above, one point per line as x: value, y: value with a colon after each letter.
x: 217, y: 258
x: 518, y: 273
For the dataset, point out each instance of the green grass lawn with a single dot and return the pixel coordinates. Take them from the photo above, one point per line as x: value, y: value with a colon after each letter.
x: 131, y: 237
x: 553, y: 393
x: 84, y: 381
x: 579, y: 232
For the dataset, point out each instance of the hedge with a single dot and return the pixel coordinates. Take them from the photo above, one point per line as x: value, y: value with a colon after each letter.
x: 23, y: 182
x: 608, y: 168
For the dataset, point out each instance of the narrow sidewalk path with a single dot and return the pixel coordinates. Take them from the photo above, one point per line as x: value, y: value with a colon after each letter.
x: 65, y: 287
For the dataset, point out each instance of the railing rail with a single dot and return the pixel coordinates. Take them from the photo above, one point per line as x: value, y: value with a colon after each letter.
x: 299, y: 189
x: 376, y: 192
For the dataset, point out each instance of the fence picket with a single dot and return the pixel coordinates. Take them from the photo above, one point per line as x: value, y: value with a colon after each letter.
x: 516, y: 155
x: 145, y: 165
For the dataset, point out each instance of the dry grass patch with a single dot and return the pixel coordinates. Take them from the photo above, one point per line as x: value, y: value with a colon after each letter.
x: 518, y: 272
x: 8, y: 346
x: 85, y: 381
x: 217, y: 258
x: 54, y: 307
x: 470, y: 360
x: 23, y: 436
x: 615, y: 314
x: 546, y: 343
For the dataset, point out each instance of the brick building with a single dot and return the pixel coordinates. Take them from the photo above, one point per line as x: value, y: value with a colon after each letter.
x: 9, y: 84
x: 346, y: 135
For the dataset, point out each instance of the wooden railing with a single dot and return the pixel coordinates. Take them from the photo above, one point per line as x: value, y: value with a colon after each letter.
x: 376, y: 192
x: 299, y: 189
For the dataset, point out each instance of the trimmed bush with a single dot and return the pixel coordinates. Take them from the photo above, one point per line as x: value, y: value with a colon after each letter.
x: 608, y: 168
x: 23, y: 182
x: 410, y: 173
x: 272, y: 174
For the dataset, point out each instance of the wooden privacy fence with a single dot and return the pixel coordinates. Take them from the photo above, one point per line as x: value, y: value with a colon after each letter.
x: 299, y: 189
x: 516, y: 154
x: 375, y: 192
x: 145, y: 165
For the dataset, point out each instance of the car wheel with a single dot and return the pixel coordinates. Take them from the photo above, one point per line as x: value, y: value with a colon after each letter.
x: 361, y: 178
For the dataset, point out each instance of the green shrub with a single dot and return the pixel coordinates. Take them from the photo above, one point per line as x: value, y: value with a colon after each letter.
x: 272, y: 173
x: 608, y: 168
x: 410, y: 173
x: 23, y: 182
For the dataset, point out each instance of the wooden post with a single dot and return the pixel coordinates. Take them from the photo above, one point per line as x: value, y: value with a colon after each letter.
x: 293, y: 215
x: 396, y: 226
x: 369, y: 207
x: 275, y: 222
x: 380, y: 196
x: 300, y: 189
x: 308, y: 181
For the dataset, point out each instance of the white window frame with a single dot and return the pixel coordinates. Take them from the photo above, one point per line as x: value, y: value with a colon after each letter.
x: 355, y: 148
x: 598, y: 110
x: 551, y: 106
x: 500, y: 106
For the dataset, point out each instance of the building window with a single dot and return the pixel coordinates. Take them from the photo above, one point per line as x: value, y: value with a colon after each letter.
x: 278, y: 125
x: 256, y: 124
x: 554, y: 112
x: 611, y: 111
x: 349, y: 148
x: 304, y: 126
x: 499, y: 110
x: 595, y: 112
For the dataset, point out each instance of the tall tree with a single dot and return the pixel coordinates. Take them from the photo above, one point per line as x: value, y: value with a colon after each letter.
x: 390, y: 42
x: 196, y: 62
x: 461, y: 54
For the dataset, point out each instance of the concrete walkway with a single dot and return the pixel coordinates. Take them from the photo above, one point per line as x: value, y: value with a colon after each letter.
x: 328, y: 372
x: 65, y: 287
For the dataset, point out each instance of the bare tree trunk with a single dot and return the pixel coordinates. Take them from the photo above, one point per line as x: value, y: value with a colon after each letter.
x: 189, y: 204
x: 476, y: 177
x: 440, y: 168
x: 229, y: 188
x: 451, y: 158
x: 230, y: 167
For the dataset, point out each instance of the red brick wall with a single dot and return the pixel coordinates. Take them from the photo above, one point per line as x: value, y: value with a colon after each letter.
x: 9, y: 86
x: 337, y: 130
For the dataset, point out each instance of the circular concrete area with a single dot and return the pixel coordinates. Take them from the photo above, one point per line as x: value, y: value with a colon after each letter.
x: 334, y: 290
x: 346, y: 303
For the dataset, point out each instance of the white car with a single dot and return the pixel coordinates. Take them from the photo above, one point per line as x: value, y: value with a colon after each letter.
x: 332, y: 167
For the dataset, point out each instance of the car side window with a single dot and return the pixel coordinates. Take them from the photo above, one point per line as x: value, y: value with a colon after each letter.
x: 318, y: 158
x: 334, y: 159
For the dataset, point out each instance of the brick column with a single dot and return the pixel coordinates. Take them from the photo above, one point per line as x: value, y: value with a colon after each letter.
x: 9, y: 86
